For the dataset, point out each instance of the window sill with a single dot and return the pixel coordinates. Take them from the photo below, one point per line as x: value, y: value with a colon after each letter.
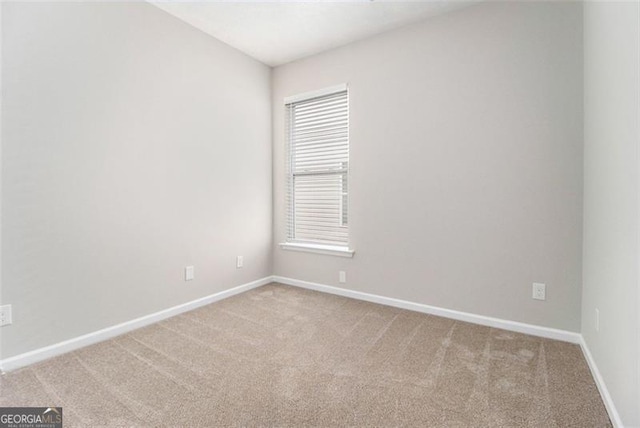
x: 330, y: 250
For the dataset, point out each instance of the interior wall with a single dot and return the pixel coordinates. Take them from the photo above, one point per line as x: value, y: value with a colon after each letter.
x: 466, y: 162
x: 1, y: 98
x: 133, y: 145
x: 611, y: 215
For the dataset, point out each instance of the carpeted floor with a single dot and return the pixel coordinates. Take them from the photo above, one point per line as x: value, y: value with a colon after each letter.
x: 283, y: 356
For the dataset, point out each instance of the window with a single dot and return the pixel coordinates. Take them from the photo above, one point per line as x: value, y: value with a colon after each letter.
x: 318, y: 171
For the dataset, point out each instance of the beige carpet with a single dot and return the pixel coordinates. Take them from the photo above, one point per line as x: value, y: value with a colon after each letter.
x: 283, y: 356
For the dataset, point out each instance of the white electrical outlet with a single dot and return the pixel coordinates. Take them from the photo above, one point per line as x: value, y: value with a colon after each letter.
x: 5, y: 315
x: 239, y: 262
x: 189, y: 273
x: 539, y: 291
x: 342, y: 277
x: 597, y: 319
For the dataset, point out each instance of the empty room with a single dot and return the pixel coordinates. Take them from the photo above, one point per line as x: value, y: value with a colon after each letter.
x: 326, y: 213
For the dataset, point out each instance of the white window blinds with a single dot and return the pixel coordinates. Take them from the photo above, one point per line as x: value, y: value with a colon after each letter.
x: 318, y: 166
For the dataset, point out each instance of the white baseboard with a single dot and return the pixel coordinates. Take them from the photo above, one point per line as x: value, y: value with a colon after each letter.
x: 602, y: 387
x: 550, y: 333
x: 534, y: 330
x: 41, y: 354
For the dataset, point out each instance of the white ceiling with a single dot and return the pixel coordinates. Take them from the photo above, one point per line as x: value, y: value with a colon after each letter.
x: 278, y: 32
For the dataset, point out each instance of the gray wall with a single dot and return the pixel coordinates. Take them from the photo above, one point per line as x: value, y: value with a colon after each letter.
x: 133, y: 145
x: 466, y: 162
x: 612, y: 138
x: 1, y: 102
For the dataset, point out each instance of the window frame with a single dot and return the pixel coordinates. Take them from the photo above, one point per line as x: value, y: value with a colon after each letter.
x: 318, y: 247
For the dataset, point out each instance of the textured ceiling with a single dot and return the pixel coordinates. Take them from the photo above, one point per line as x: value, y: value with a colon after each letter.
x: 279, y: 32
